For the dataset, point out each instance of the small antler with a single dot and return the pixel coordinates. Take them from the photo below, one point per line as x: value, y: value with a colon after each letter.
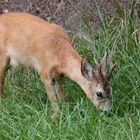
x: 105, y: 66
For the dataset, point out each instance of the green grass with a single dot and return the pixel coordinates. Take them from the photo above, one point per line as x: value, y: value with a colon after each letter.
x: 25, y: 112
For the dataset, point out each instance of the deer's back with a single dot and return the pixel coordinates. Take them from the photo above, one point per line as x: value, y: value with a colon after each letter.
x: 27, y: 39
x: 22, y: 27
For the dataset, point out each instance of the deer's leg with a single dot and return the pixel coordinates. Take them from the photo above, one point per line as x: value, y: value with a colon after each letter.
x: 51, y: 95
x: 3, y: 68
x: 59, y: 88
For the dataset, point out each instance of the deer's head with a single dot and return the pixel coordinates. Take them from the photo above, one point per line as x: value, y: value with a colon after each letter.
x: 100, y: 90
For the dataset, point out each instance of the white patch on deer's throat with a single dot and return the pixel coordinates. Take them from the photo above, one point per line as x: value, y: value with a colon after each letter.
x: 17, y: 58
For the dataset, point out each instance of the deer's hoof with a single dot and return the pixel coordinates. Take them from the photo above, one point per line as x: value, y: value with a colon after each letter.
x: 56, y: 116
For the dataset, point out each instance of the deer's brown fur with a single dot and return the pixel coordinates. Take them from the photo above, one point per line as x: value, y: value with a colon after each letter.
x: 29, y: 40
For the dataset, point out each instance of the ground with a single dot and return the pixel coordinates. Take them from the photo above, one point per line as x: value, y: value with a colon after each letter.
x: 66, y: 13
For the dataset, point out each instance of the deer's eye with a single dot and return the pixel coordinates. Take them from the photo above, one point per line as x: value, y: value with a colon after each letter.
x: 99, y: 94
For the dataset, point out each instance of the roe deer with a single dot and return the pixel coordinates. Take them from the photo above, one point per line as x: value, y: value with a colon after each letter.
x: 29, y: 40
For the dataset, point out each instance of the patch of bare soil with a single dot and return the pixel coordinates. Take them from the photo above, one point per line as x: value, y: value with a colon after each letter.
x: 66, y: 13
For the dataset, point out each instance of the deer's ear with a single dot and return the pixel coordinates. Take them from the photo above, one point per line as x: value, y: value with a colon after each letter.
x: 107, y: 64
x: 86, y: 70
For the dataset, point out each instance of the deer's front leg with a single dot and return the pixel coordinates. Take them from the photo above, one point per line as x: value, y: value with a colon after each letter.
x: 58, y: 85
x: 50, y: 88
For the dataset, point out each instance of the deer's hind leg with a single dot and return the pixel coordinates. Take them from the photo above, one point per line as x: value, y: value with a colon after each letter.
x: 4, y: 61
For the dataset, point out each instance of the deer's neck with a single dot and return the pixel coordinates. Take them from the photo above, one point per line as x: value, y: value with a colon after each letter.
x: 74, y: 72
